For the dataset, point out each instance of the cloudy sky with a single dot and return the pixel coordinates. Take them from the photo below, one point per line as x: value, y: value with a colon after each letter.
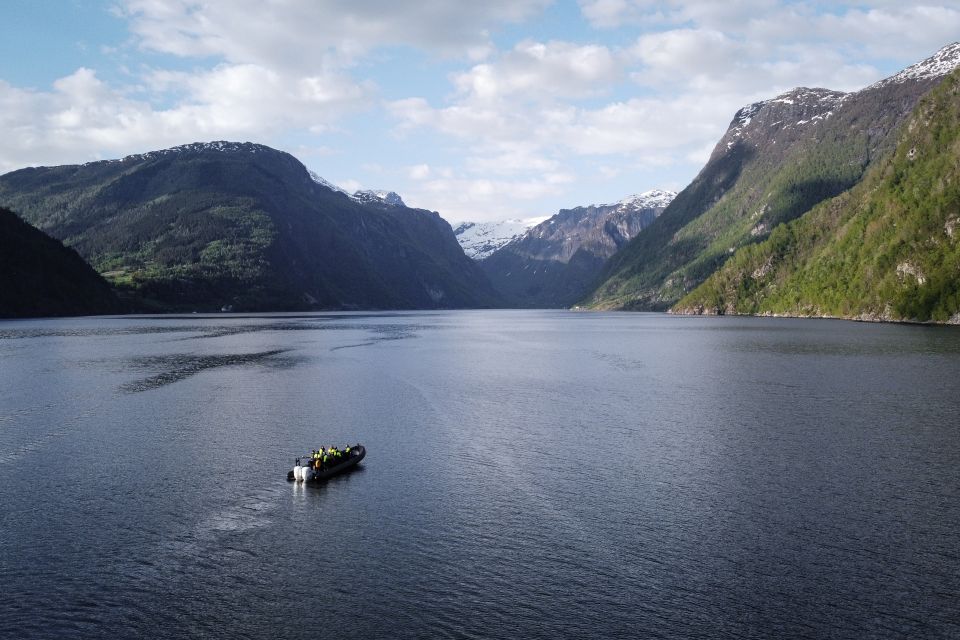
x: 479, y: 110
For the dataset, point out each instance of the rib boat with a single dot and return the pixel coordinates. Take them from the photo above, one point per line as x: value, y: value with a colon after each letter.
x: 309, y: 473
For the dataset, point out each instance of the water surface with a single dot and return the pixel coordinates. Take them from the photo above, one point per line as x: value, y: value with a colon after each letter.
x: 529, y: 474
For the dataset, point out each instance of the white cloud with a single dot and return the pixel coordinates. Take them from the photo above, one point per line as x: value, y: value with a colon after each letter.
x: 351, y: 185
x: 419, y: 172
x: 303, y: 34
x: 83, y: 118
x: 266, y: 67
x: 462, y: 198
x: 536, y: 70
x: 710, y: 62
x: 615, y: 13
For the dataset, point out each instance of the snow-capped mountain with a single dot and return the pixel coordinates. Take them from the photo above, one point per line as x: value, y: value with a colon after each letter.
x: 480, y: 239
x: 365, y: 196
x: 389, y: 198
x: 653, y: 199
x: 553, y: 263
x: 795, y: 108
x: 939, y: 64
x: 326, y: 183
x: 803, y: 107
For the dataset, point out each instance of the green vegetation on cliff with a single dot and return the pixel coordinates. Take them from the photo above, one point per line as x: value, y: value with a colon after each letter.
x: 887, y: 249
x: 778, y: 159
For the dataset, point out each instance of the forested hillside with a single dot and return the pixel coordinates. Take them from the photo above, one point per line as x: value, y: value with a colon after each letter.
x: 889, y: 249
x: 243, y: 226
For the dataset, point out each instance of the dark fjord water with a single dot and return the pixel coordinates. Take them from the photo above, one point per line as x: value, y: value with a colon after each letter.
x: 529, y: 475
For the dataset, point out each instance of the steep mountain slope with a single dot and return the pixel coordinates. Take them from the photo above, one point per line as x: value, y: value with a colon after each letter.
x: 41, y: 277
x: 213, y: 224
x: 776, y: 161
x: 480, y: 239
x: 556, y: 262
x: 888, y: 249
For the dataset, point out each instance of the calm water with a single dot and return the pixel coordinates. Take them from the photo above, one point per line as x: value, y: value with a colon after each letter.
x: 528, y: 475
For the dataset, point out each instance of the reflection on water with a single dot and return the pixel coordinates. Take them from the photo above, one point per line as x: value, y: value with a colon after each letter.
x: 177, y: 367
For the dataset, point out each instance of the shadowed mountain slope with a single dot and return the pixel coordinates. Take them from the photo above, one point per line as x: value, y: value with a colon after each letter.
x: 41, y: 277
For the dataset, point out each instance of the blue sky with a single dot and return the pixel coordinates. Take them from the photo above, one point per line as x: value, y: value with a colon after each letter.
x: 506, y: 109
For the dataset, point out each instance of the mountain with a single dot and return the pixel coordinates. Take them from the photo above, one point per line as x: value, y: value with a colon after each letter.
x: 888, y: 249
x: 389, y: 198
x: 207, y: 225
x: 41, y: 277
x: 554, y: 263
x: 367, y: 196
x: 777, y: 160
x: 480, y: 239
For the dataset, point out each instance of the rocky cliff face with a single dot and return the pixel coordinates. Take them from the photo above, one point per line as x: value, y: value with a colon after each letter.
x: 553, y: 263
x: 777, y: 160
x: 208, y: 225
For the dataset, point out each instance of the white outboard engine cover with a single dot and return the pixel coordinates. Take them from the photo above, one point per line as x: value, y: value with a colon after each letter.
x: 307, y: 473
x: 297, y: 474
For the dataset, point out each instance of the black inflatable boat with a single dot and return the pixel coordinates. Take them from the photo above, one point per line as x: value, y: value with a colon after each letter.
x: 307, y: 472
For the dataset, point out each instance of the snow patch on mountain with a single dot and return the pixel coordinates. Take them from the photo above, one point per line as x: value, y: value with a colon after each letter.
x: 939, y: 64
x: 653, y: 199
x: 326, y: 183
x: 480, y: 239
x: 389, y: 198
x: 199, y: 147
x: 795, y: 108
x: 366, y: 196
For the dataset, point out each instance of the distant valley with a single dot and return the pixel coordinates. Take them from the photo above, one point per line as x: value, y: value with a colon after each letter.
x: 554, y: 263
